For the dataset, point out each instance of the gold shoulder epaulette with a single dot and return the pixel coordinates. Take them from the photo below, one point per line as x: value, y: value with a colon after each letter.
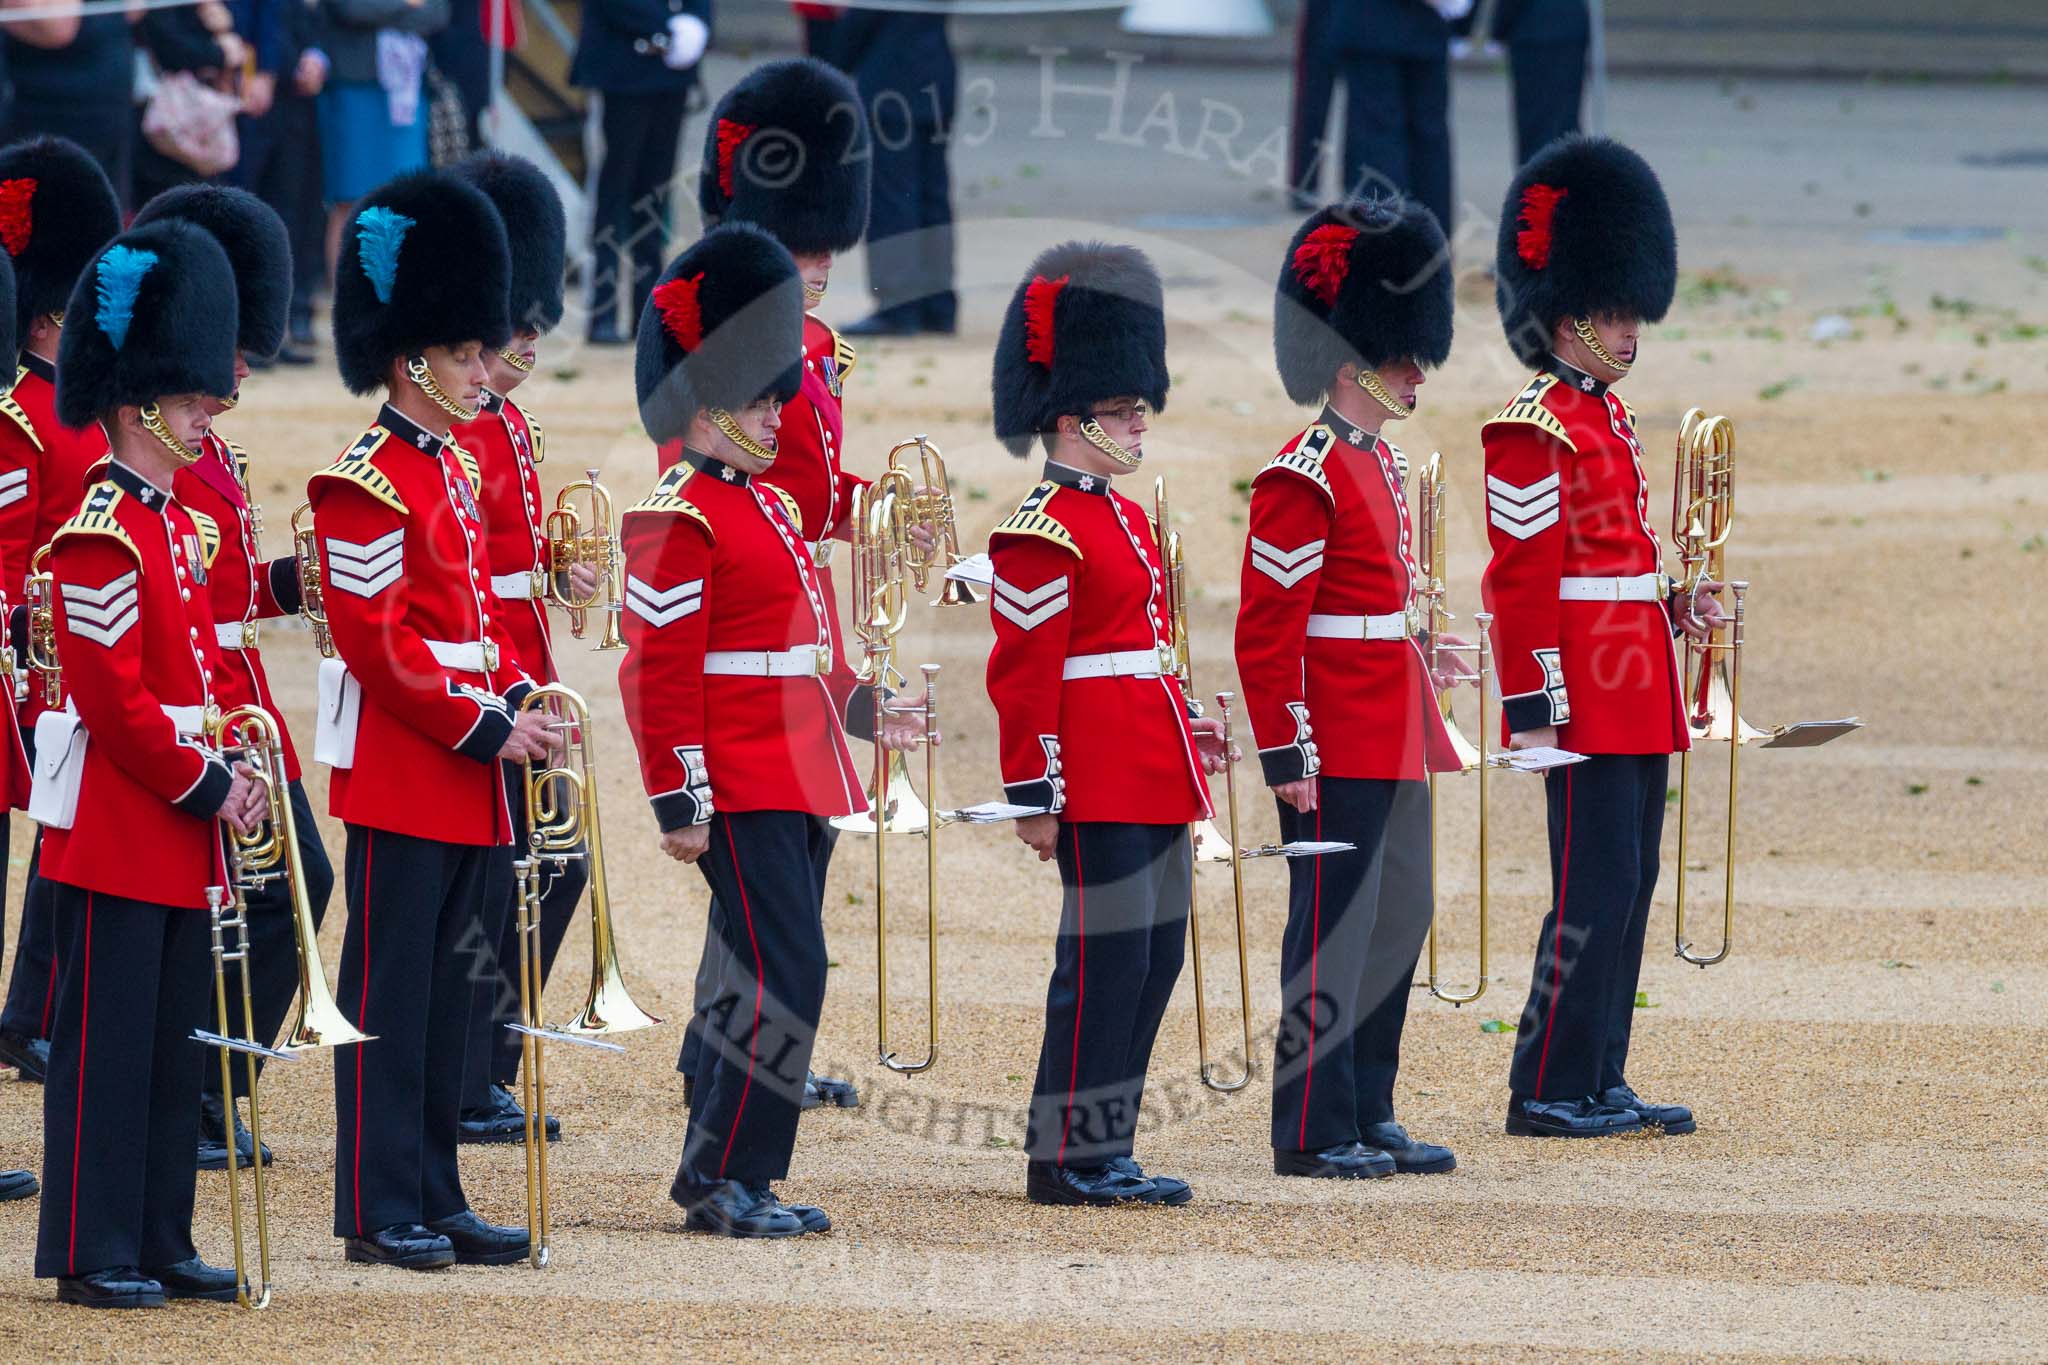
x: 1400, y: 458
x: 471, y: 470
x: 843, y: 354
x: 1627, y: 411
x: 1528, y: 410
x: 796, y: 517
x: 241, y: 459
x: 96, y: 517
x: 209, y: 535
x: 355, y: 466
x: 668, y: 497
x: 20, y: 419
x: 1031, y: 519
x: 1306, y: 459
x: 533, y: 432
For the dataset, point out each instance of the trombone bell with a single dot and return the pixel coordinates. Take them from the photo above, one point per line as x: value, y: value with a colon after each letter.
x: 902, y: 811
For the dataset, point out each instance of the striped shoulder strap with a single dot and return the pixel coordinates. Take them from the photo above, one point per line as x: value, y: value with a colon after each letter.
x: 1528, y: 410
x: 96, y: 517
x: 667, y: 497
x: 1031, y: 519
x: 357, y: 466
x: 1306, y: 458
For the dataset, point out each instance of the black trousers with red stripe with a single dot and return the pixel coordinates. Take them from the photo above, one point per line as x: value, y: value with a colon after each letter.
x: 1355, y: 927
x: 410, y: 960
x: 119, y: 1125
x: 1123, y: 937
x: 274, y: 945
x: 766, y: 870
x: 32, y: 984
x: 1606, y: 832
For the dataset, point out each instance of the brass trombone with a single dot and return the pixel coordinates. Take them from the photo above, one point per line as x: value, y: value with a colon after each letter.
x: 929, y: 502
x: 885, y: 565
x: 1176, y: 661
x: 42, y: 628
x: 312, y: 605
x: 574, y: 538
x: 562, y: 826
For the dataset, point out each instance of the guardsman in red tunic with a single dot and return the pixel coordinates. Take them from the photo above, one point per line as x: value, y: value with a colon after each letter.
x: 815, y: 203
x: 56, y: 210
x: 416, y: 713
x: 725, y: 690
x: 130, y: 794
x: 14, y: 769
x: 1583, y: 616
x: 1093, y: 735
x: 506, y: 443
x: 246, y: 588
x: 1335, y: 683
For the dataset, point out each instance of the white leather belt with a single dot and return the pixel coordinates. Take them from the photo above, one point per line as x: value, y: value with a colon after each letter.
x: 235, y: 634
x: 805, y: 661
x: 1123, y: 663
x: 1393, y: 625
x: 516, y: 587
x: 190, y: 720
x: 1645, y: 587
x: 820, y: 552
x: 474, y: 656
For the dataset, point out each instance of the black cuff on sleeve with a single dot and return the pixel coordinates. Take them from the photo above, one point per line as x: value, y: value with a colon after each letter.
x: 286, y: 585
x: 676, y: 810
x: 488, y: 736
x: 1288, y: 763
x: 517, y: 693
x: 1040, y: 795
x: 1530, y: 712
x: 860, y: 712
x: 17, y: 635
x: 209, y: 793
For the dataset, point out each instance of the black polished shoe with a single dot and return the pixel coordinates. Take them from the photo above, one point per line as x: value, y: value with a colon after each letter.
x: 16, y: 1185
x: 1672, y: 1119
x: 29, y: 1056
x: 811, y: 1216
x: 479, y: 1243
x: 502, y: 1120
x: 1345, y: 1161
x: 213, y: 1141
x: 824, y: 1091
x: 890, y: 322
x: 1165, y: 1189
x: 121, y: 1286
x: 732, y: 1208
x: 605, y: 332
x: 1586, y: 1118
x: 195, y: 1279
x: 1410, y: 1157
x: 1092, y: 1187
x: 407, y: 1246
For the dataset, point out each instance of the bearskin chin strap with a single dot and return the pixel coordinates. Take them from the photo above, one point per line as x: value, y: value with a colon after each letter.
x: 814, y: 294
x: 417, y: 371
x: 1591, y: 336
x: 515, y: 360
x: 722, y: 419
x: 1369, y: 380
x: 153, y: 422
x: 1092, y: 432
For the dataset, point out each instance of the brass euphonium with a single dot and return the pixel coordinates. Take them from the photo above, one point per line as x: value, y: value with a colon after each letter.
x: 42, y: 629
x: 574, y: 538
x: 1176, y: 661
x: 930, y: 503
x: 562, y: 826
x: 312, y: 606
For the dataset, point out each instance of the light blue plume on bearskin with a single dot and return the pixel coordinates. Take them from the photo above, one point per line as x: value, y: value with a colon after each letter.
x: 379, y: 234
x: 120, y: 279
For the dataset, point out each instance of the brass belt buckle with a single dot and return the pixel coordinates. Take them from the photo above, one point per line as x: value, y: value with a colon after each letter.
x: 538, y: 581
x: 822, y: 556
x: 490, y: 656
x: 248, y: 635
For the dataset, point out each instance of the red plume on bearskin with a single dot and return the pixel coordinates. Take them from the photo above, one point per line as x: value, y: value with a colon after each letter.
x: 1041, y: 296
x: 731, y: 137
x: 1322, y: 262
x: 681, y: 314
x: 1539, y: 208
x: 17, y: 218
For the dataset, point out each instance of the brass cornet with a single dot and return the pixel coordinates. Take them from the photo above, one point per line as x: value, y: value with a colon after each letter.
x: 42, y: 628
x: 574, y: 538
x: 931, y: 507
x: 312, y: 605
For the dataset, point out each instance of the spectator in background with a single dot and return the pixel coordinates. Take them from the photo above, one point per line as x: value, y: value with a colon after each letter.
x: 199, y: 39
x: 641, y: 57
x: 1315, y: 88
x: 1395, y: 56
x: 1547, y: 42
x: 280, y: 131
x: 34, y: 32
x: 373, y: 107
x: 903, y: 64
x: 77, y: 84
x: 460, y: 56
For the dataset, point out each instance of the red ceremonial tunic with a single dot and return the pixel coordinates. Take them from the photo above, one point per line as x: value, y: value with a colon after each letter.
x: 1086, y: 727
x: 1567, y: 499
x: 135, y: 635
x: 1331, y: 542
x: 507, y: 444
x: 715, y: 564
x: 404, y: 580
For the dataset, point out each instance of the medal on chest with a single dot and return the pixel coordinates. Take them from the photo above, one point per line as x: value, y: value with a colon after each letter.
x: 194, y: 556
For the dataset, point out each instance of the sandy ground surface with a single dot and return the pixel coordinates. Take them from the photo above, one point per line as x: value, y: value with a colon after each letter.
x: 1868, y: 1178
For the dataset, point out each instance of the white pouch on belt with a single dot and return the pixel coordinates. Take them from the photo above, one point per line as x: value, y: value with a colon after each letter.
x: 60, y: 763
x: 341, y: 707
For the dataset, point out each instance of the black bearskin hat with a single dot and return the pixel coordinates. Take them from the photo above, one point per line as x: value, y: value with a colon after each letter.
x: 787, y: 150
x: 1586, y: 230
x: 1087, y: 323
x: 57, y: 208
x: 536, y: 230
x: 258, y: 248
x: 723, y: 328
x: 423, y: 263
x: 10, y: 340
x: 152, y: 316
x: 1366, y: 283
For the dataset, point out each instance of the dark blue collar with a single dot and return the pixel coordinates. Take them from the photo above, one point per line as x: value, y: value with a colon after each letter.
x: 137, y: 487
x: 1348, y: 431
x: 39, y: 367
x: 492, y: 402
x: 410, y: 432
x: 1572, y: 377
x: 1066, y: 476
x: 717, y: 469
